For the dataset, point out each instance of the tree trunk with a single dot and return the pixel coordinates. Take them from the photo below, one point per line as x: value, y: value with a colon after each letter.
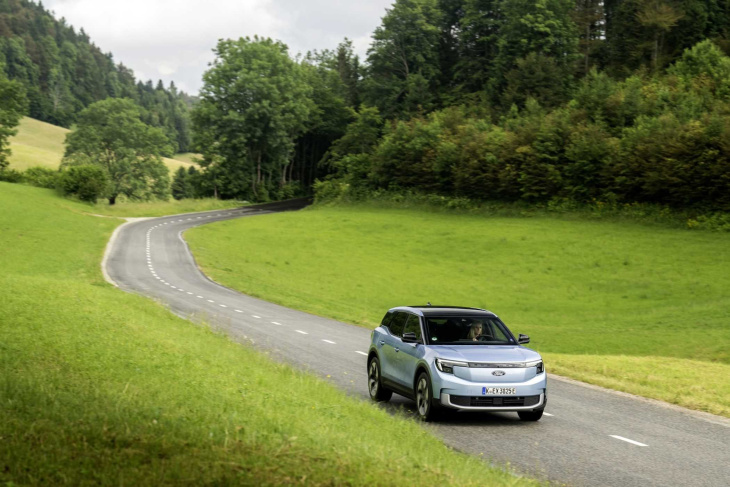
x: 112, y: 200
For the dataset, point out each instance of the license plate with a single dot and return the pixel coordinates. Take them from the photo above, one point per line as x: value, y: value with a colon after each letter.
x: 499, y: 390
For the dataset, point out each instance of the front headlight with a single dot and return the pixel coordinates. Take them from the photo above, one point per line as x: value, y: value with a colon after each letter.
x: 537, y: 363
x: 448, y: 365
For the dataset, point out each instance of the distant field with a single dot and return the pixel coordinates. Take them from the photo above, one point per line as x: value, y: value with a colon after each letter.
x: 636, y: 308
x: 41, y: 144
x: 103, y: 387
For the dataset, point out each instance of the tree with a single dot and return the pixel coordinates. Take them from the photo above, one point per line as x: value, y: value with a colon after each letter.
x: 13, y: 105
x: 658, y: 17
x: 404, y: 59
x: 111, y: 134
x: 254, y: 103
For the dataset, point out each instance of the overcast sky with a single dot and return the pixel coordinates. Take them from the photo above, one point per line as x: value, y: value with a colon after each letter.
x: 173, y: 40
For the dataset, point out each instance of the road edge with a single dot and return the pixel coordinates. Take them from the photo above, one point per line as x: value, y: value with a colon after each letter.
x: 110, y: 244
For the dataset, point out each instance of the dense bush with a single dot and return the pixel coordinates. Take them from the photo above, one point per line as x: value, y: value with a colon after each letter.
x: 661, y: 139
x: 43, y: 177
x: 88, y: 183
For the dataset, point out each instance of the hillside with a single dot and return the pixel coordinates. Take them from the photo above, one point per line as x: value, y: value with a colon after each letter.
x: 41, y: 144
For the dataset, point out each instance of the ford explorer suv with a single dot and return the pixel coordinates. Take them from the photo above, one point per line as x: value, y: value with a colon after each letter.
x: 446, y: 357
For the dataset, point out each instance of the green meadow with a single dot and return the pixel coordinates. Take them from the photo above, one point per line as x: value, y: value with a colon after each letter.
x: 102, y: 387
x: 637, y: 308
x: 41, y: 144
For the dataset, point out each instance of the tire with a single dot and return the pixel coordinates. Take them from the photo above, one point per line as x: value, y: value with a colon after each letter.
x: 534, y: 415
x: 378, y: 393
x: 426, y: 407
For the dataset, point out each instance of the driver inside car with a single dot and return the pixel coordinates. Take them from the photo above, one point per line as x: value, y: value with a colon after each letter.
x: 475, y: 331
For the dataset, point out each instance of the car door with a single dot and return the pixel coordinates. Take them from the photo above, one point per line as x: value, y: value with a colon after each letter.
x: 410, y: 353
x: 390, y: 347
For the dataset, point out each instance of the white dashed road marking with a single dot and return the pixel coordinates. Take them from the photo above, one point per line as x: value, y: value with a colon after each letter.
x: 254, y: 316
x: 302, y: 332
x: 361, y: 353
x: 201, y: 297
x: 223, y: 306
x: 329, y: 341
x: 211, y: 301
x: 547, y: 414
x: 238, y: 311
x: 627, y: 440
x: 274, y: 322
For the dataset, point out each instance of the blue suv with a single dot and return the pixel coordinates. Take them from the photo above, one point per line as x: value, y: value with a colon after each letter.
x: 455, y: 358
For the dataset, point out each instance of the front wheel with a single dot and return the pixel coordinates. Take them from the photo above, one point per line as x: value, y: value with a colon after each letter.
x: 531, y: 415
x: 427, y: 408
x: 375, y: 387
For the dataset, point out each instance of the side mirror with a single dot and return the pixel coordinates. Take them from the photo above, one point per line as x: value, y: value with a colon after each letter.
x: 410, y: 337
x: 523, y: 339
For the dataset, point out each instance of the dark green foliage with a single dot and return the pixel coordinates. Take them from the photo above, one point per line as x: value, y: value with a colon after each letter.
x: 63, y: 72
x: 12, y: 107
x: 86, y: 182
x: 111, y: 135
x: 182, y: 184
x: 660, y: 140
x: 43, y: 177
x: 403, y: 61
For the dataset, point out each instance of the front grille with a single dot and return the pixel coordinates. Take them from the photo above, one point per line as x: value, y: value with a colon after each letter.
x: 494, y: 401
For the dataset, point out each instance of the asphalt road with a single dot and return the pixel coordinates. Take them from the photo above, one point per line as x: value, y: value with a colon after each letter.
x: 588, y: 436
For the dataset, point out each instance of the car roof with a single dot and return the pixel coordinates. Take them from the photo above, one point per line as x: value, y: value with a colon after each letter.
x: 444, y: 311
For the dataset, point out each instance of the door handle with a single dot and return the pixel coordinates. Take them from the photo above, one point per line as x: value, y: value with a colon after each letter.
x: 397, y: 350
x: 382, y: 342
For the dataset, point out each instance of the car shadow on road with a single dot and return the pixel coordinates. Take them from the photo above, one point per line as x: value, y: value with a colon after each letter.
x: 407, y: 408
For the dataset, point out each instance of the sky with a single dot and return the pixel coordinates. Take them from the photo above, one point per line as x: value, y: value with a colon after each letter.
x: 173, y: 40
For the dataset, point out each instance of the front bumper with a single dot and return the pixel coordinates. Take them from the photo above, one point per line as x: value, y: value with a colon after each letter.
x: 447, y: 385
x: 446, y: 402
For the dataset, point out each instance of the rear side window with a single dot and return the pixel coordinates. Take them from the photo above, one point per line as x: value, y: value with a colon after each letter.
x: 397, y: 323
x: 386, y: 319
x: 413, y: 325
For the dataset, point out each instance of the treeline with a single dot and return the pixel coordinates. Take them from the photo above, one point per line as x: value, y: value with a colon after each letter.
x: 621, y: 101
x: 63, y: 72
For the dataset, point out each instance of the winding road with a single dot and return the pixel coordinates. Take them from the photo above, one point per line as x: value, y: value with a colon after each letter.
x: 588, y: 436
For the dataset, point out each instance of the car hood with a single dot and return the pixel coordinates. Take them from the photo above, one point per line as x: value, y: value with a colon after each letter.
x: 486, y: 353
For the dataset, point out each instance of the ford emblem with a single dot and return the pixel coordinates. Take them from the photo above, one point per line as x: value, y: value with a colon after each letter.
x: 498, y: 372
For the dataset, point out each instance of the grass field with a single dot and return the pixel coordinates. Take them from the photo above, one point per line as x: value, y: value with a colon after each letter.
x: 635, y: 308
x: 41, y: 144
x: 101, y: 387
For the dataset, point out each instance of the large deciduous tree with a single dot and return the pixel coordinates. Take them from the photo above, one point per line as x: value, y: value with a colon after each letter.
x: 111, y: 134
x: 254, y: 103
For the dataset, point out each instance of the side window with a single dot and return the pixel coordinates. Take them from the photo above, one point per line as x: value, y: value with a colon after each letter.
x: 413, y: 325
x: 386, y: 319
x: 397, y: 324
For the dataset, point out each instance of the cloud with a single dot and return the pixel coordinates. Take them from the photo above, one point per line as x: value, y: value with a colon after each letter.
x: 173, y: 39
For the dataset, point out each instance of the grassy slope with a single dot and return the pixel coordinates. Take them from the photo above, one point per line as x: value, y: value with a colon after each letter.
x: 41, y: 144
x: 102, y: 387
x: 636, y: 308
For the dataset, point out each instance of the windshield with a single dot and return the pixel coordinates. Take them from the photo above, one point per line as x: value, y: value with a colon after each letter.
x: 453, y: 330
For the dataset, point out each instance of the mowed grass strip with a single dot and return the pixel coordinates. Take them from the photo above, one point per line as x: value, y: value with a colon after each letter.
x: 126, y: 208
x: 636, y: 308
x: 102, y: 387
x: 42, y: 144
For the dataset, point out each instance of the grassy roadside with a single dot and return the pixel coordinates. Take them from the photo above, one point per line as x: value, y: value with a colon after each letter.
x: 635, y: 308
x: 102, y: 387
x: 152, y: 208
